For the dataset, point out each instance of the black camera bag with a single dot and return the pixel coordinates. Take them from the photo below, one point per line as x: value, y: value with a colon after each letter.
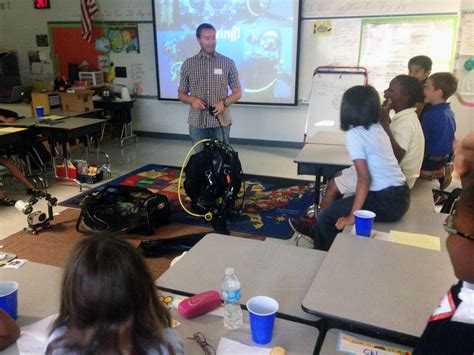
x: 123, y: 209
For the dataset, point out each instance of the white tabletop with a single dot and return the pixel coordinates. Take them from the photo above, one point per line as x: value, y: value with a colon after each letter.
x: 263, y: 268
x: 380, y: 284
x: 331, y: 138
x: 294, y: 337
x: 331, y: 342
x: 324, y: 154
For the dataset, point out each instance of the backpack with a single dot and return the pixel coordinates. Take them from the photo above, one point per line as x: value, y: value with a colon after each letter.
x: 213, y: 178
x: 123, y: 209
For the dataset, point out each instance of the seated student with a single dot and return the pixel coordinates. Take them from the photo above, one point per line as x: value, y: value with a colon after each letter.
x: 378, y: 181
x: 406, y: 138
x: 9, y: 330
x: 450, y: 330
x: 30, y: 189
x: 420, y: 68
x: 109, y: 304
x: 438, y: 124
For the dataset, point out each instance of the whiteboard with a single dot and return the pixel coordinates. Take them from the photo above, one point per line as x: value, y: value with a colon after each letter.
x: 388, y: 43
x: 339, y: 46
x: 360, y: 8
x: 325, y: 102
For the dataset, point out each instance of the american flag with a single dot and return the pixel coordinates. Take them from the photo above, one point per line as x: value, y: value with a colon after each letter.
x: 88, y: 10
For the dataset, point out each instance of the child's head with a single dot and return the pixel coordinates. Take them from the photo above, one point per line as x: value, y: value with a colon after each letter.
x: 420, y: 67
x: 464, y: 157
x: 108, y: 292
x: 440, y: 86
x: 360, y: 106
x: 460, y: 242
x: 404, y: 91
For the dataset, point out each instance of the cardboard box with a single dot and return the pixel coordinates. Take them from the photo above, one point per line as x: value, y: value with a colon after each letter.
x: 79, y: 101
x: 49, y: 100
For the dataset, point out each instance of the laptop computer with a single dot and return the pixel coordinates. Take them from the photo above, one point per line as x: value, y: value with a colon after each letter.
x: 19, y: 93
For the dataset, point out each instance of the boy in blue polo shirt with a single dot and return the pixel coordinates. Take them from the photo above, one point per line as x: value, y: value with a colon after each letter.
x: 438, y: 123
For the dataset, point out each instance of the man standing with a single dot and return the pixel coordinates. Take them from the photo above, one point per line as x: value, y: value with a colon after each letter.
x: 205, y: 79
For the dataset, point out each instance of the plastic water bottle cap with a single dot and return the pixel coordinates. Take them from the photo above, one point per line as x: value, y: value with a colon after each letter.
x: 229, y: 271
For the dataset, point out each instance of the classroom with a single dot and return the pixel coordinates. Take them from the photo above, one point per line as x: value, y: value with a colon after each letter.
x: 296, y: 60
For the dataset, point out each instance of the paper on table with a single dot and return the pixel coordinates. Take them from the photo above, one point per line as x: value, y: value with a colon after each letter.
x: 231, y: 347
x: 353, y: 345
x: 416, y: 240
x: 53, y: 117
x: 34, y: 336
x: 11, y: 129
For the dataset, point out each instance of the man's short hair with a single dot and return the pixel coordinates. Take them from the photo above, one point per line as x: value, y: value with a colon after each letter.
x: 447, y: 82
x: 203, y: 26
x: 423, y: 61
x: 412, y: 88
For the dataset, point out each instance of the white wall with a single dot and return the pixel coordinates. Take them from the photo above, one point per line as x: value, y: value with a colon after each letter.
x: 19, y: 24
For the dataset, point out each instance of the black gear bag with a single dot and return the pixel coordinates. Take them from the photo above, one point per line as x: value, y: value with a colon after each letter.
x: 123, y: 209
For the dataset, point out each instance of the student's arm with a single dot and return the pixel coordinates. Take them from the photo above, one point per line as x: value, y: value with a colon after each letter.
x: 362, y: 190
x: 385, y: 122
x: 9, y: 330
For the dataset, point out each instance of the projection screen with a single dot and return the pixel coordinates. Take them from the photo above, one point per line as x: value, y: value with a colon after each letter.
x: 261, y: 36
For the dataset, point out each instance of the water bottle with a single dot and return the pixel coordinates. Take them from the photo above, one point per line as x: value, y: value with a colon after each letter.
x: 231, y: 295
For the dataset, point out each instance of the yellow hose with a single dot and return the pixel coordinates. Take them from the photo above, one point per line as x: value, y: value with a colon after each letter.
x: 208, y: 215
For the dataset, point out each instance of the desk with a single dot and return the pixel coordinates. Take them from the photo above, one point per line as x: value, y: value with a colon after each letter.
x: 330, y: 138
x: 295, y: 338
x: 263, y: 268
x: 21, y: 108
x: 63, y: 130
x: 321, y: 160
x: 11, y: 138
x: 39, y: 297
x: 121, y: 112
x: 38, y: 292
x: 379, y: 285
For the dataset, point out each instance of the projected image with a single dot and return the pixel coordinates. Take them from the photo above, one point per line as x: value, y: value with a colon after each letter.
x: 260, y: 36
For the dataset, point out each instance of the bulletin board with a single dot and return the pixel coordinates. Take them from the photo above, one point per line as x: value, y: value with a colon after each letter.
x: 135, y: 52
x: 382, y: 45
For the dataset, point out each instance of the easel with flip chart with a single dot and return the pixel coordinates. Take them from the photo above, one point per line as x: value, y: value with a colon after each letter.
x: 329, y: 84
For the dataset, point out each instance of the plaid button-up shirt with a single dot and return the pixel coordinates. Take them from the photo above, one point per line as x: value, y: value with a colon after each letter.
x: 208, y: 79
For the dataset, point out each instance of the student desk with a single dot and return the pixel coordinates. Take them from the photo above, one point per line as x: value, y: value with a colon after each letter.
x: 121, y: 112
x: 11, y: 138
x: 321, y: 160
x: 331, y: 138
x: 380, y: 286
x: 263, y: 268
x: 294, y: 337
x: 63, y: 130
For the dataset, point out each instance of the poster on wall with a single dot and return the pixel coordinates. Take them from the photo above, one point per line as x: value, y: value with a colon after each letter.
x: 120, y: 38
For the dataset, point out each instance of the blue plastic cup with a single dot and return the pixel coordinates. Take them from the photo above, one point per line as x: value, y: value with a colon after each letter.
x: 363, y: 222
x: 39, y: 111
x: 262, y: 313
x: 9, y: 298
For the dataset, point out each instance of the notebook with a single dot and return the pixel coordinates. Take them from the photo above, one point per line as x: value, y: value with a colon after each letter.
x: 19, y: 93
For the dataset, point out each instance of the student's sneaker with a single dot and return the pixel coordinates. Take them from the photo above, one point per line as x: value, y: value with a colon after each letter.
x: 301, y: 227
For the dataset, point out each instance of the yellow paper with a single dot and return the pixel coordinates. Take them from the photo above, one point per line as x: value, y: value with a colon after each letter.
x: 416, y: 240
x: 53, y: 117
x: 11, y: 129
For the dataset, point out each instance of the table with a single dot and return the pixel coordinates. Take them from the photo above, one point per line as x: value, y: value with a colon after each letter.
x: 39, y: 297
x: 121, y: 112
x: 294, y: 337
x: 321, y: 160
x: 263, y: 268
x: 330, y: 138
x: 378, y: 285
x: 63, y: 130
x: 330, y: 344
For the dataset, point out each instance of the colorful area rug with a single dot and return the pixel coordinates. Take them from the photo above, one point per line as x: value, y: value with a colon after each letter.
x: 269, y: 201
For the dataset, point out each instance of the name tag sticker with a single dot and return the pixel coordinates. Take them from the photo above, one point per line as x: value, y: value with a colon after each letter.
x: 218, y: 71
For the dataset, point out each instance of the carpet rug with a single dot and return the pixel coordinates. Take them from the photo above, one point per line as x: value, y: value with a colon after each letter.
x: 269, y: 201
x: 52, y: 246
